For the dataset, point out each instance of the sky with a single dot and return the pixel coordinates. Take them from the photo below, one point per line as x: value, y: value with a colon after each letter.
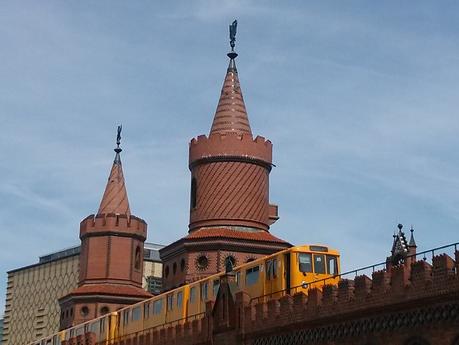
x: 359, y: 98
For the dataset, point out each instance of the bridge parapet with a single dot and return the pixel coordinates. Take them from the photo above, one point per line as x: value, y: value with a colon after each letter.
x: 397, y: 285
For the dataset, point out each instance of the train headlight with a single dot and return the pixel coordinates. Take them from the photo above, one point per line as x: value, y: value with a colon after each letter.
x: 304, y: 284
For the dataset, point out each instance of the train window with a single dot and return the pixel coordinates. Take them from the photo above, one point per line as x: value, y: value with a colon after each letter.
x: 251, y: 275
x: 332, y: 265
x: 319, y: 263
x: 192, y: 294
x: 271, y: 269
x: 136, y: 314
x: 102, y: 324
x: 216, y: 286
x: 179, y: 299
x: 157, y: 306
x: 305, y: 262
x: 170, y: 301
x: 125, y: 317
x: 204, y: 293
x: 146, y: 310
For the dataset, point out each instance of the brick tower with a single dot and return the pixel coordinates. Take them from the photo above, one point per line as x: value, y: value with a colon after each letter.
x: 111, y: 258
x: 230, y: 213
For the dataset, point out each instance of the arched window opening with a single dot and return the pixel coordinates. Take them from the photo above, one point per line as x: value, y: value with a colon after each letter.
x: 194, y: 191
x: 137, y: 258
x: 84, y: 311
x: 229, y: 259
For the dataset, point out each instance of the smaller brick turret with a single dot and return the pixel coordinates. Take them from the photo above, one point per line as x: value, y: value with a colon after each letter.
x: 111, y: 257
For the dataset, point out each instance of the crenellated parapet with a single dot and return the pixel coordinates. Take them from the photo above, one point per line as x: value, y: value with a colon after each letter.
x: 230, y: 146
x: 404, y: 285
x: 119, y: 224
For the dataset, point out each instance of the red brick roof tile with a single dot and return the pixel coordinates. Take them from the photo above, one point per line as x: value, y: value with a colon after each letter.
x: 111, y: 289
x: 262, y: 236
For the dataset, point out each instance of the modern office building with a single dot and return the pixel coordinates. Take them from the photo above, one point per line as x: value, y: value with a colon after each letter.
x: 1, y: 330
x: 32, y: 308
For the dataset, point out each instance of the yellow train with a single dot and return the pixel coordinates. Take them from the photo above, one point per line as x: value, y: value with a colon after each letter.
x: 286, y: 272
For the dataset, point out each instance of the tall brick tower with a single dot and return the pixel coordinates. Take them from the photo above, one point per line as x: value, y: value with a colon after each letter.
x: 111, y: 257
x: 230, y: 213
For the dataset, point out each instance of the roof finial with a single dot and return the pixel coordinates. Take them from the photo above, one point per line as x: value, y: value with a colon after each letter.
x: 118, y: 142
x: 412, y: 241
x: 232, y: 33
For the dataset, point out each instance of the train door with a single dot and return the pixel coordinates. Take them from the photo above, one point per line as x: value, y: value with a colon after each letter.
x: 287, y: 273
x: 254, y: 279
x: 194, y: 300
x: 273, y: 276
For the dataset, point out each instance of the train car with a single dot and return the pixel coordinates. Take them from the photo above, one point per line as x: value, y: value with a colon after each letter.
x: 296, y: 269
x: 103, y: 327
x: 293, y: 270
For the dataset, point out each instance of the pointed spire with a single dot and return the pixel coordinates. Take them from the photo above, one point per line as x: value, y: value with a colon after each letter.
x: 412, y: 241
x: 115, y: 199
x: 231, y: 114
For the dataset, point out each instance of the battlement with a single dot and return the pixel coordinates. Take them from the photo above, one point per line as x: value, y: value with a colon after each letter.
x: 397, y: 285
x: 118, y: 223
x: 229, y: 146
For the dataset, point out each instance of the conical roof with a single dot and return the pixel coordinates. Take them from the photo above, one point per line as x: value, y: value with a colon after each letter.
x: 231, y: 115
x: 115, y: 199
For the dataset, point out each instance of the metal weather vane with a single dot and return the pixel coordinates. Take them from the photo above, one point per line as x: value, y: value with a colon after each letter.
x: 232, y: 33
x: 118, y: 139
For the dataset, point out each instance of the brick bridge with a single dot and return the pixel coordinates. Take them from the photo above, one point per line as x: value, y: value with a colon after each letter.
x: 416, y: 303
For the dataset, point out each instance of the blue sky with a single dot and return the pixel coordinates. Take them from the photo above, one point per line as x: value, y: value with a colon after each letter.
x: 359, y: 99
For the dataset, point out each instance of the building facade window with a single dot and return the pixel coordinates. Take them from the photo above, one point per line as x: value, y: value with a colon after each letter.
x: 194, y: 192
x: 229, y: 259
x: 137, y: 260
x: 166, y: 271
x: 84, y: 311
x: 202, y: 262
x: 154, y: 285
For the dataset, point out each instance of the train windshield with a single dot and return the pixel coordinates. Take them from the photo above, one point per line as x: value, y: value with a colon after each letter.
x: 319, y: 263
x: 305, y: 262
x: 332, y: 264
